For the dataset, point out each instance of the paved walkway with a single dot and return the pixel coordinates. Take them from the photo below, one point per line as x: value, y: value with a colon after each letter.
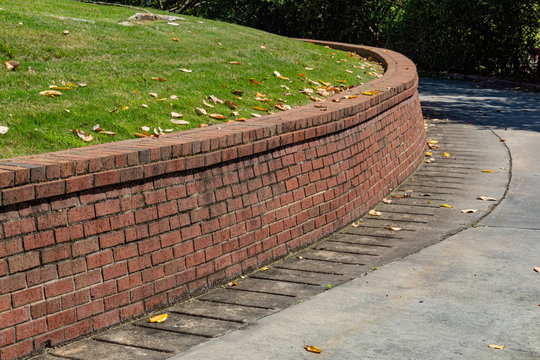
x: 449, y: 300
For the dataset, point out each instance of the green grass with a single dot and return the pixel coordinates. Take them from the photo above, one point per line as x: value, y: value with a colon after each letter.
x: 119, y: 62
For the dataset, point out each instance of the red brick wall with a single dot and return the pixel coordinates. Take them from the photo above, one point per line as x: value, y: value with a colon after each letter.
x: 94, y: 236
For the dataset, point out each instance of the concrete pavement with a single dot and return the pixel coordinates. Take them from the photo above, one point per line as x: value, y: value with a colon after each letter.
x: 448, y: 301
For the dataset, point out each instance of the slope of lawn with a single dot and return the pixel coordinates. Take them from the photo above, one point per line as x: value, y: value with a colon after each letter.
x: 127, y: 77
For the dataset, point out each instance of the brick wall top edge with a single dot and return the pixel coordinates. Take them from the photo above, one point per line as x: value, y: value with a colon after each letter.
x: 400, y: 75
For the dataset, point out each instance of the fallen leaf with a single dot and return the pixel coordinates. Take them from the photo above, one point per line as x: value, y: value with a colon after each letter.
x: 179, y: 122
x: 83, y: 85
x: 217, y: 116
x: 201, y: 111
x: 145, y: 128
x: 238, y: 92
x: 159, y: 79
x: 186, y: 70
x: 203, y: 125
x: 386, y: 201
x: 207, y: 104
x: 446, y: 206
x: 283, y: 107
x: 3, y: 130
x: 105, y: 132
x: 393, y: 228
x: 216, y: 100
x: 255, y: 115
x: 12, y: 65
x: 51, y: 93
x: 488, y: 171
x: 235, y: 63
x: 153, y: 95
x: 469, y: 211
x: 428, y: 153
x: 371, y: 92
x: 162, y: 99
x: 232, y: 283
x: 486, y: 198
x: 231, y: 105
x: 173, y: 97
x: 445, y: 154
x: 158, y: 318
x: 55, y: 87
x: 125, y: 108
x: 496, y: 347
x: 259, y: 108
x: 280, y: 76
x: 175, y: 39
x: 264, y: 268
x: 347, y: 97
x: 176, y: 115
x: 255, y: 82
x: 65, y: 32
x: 84, y: 136
x: 401, y: 196
x: 312, y: 349
x: 433, y: 141
x: 375, y: 213
x: 357, y: 223
x: 144, y: 105
x: 97, y: 128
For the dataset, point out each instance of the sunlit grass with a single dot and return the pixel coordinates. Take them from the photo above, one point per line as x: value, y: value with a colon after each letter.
x: 118, y: 64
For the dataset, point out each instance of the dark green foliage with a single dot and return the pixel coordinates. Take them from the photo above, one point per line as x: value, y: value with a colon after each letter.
x: 494, y: 37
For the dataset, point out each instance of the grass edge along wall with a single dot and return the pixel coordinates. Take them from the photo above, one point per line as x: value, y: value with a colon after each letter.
x: 95, y: 236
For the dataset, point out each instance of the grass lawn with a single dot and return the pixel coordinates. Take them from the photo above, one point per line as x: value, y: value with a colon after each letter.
x: 106, y: 73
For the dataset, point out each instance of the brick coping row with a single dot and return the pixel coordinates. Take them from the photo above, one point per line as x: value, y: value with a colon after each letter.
x: 58, y: 173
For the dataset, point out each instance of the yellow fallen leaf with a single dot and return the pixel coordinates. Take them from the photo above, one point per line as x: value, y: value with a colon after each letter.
x: 427, y: 153
x: 217, y: 116
x: 371, y: 92
x: 497, y: 347
x: 348, y: 97
x: 445, y: 154
x: 51, y: 93
x: 264, y: 268
x: 433, y: 141
x: 125, y: 108
x: 375, y: 213
x: 312, y: 349
x: 55, y: 87
x: 158, y: 318
x: 259, y: 108
x: 232, y: 283
x: 446, y: 206
x: 488, y: 171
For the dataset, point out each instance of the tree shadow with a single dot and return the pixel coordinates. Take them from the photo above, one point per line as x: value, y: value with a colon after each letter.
x: 494, y: 106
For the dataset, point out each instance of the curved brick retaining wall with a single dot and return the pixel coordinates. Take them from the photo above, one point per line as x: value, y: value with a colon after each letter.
x: 93, y: 236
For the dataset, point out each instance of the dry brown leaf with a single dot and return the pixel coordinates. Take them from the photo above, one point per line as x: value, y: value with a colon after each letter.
x: 235, y: 63
x: 496, y: 347
x: 486, y: 198
x: 357, y: 223
x: 232, y: 283
x: 12, y: 65
x: 401, y: 196
x: 312, y: 349
x: 216, y: 100
x: 175, y: 39
x: 386, y: 201
x: 105, y: 132
x: 84, y: 136
x: 217, y: 116
x: 203, y: 125
x: 283, y: 107
x: 158, y: 318
x: 254, y: 82
x: 393, y: 228
x: 488, y: 171
x: 231, y: 105
x: 375, y: 213
x: 97, y: 128
x: 159, y: 79
x: 238, y: 92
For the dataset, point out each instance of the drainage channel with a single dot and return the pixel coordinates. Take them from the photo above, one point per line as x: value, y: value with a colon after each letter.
x: 423, y: 210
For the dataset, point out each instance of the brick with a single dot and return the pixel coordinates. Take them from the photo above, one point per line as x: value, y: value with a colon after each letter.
x: 141, y: 262
x: 96, y: 226
x: 153, y: 273
x: 73, y: 232
x: 52, y: 220
x: 68, y: 268
x: 49, y: 339
x: 125, y: 252
x: 107, y: 207
x: 155, y: 197
x: 105, y: 320
x: 149, y: 245
x: 75, y: 299
x: 17, y: 351
x: 111, y: 239
x: 81, y: 213
x: 87, y: 278
x: 121, y: 221
x: 56, y: 253
x: 30, y: 329
x: 103, y: 290
x: 10, y: 247
x: 170, y: 239
x: 114, y: 271
x: 13, y: 317
x: 129, y: 282
x: 85, y: 247
x: 141, y: 292
x: 167, y: 209
x: 23, y: 262
x: 87, y: 310
x: 106, y: 178
x: 18, y: 195
x: 99, y: 260
x: 116, y: 301
x: 195, y: 259
x: 136, y: 233
x: 191, y: 232
x: 132, y: 311
x: 79, y: 183
x: 7, y: 337
x: 144, y: 215
x: 78, y: 329
x: 61, y: 319
x: 58, y: 288
x: 3, y: 268
x: 165, y: 284
x: 27, y: 296
x: 38, y: 240
x: 18, y: 227
x: 162, y: 256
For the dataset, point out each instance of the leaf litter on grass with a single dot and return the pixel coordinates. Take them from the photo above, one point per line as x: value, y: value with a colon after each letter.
x: 153, y: 65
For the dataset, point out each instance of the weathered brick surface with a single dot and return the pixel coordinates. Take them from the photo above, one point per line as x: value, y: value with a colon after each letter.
x: 141, y: 226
